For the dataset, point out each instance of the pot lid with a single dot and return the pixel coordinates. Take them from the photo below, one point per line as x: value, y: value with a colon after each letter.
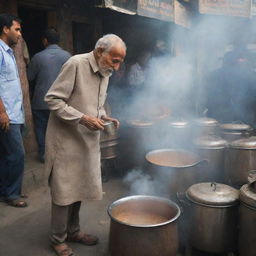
x: 247, y: 143
x: 235, y: 127
x: 178, y: 123
x: 213, y: 194
x: 206, y: 121
x: 210, y: 141
x: 140, y: 123
x: 247, y: 195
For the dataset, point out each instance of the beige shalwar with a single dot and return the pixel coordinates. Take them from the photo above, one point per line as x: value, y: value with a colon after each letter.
x: 72, y: 150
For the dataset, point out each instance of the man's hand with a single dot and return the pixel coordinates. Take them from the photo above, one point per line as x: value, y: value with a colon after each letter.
x: 4, y: 121
x: 115, y: 121
x: 92, y: 123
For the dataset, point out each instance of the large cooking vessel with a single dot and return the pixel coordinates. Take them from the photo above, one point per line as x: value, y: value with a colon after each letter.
x: 240, y: 159
x: 175, y: 169
x: 143, y: 226
x: 213, y: 217
x: 212, y: 148
x: 247, y: 220
x: 179, y: 133
x: 235, y: 131
x: 205, y: 126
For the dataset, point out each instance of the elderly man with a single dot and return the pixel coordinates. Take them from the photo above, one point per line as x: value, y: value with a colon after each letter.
x: 76, y: 101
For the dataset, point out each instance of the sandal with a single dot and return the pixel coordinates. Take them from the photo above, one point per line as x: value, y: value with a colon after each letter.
x: 83, y: 238
x: 62, y: 249
x: 16, y: 203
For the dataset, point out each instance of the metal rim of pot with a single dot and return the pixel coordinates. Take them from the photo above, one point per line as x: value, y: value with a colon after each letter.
x: 140, y: 124
x: 239, y: 127
x: 143, y: 197
x: 247, y: 143
x: 179, y: 124
x: 210, y: 142
x: 174, y: 150
x: 247, y: 197
x: 207, y: 122
x: 212, y: 204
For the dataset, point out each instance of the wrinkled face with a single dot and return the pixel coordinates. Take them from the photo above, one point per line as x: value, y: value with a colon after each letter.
x: 110, y: 61
x: 13, y: 33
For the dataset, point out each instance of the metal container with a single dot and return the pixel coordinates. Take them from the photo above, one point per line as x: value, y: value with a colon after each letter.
x: 108, y: 141
x: 178, y: 134
x: 177, y: 170
x: 214, y: 217
x: 205, y: 126
x: 212, y: 148
x: 247, y: 221
x: 240, y: 159
x: 143, y: 226
x: 235, y: 131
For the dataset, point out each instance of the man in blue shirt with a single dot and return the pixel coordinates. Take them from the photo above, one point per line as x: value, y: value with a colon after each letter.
x: 43, y: 70
x: 11, y: 115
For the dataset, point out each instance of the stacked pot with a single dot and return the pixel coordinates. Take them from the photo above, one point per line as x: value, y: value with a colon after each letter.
x: 213, y: 217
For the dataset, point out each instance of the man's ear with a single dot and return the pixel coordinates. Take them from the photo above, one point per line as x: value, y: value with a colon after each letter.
x: 5, y: 29
x: 99, y: 52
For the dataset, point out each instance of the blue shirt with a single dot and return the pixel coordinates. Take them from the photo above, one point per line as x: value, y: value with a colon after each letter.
x: 10, y: 87
x: 44, y: 69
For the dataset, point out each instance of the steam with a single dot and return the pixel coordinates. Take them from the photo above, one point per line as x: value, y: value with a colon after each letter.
x: 143, y: 184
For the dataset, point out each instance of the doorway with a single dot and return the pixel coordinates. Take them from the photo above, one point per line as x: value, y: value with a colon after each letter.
x: 34, y: 22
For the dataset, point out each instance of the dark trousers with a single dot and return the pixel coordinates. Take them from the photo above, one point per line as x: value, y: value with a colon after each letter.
x: 65, y: 221
x: 40, y: 121
x: 11, y: 162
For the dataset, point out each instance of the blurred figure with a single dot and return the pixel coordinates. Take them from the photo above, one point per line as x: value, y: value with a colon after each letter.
x: 231, y: 89
x: 42, y: 71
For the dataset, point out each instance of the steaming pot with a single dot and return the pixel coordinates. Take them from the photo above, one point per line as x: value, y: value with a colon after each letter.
x: 143, y: 226
x: 213, y: 217
x: 240, y: 159
x: 177, y: 170
x: 179, y: 134
x: 247, y: 220
x: 235, y: 131
x: 205, y: 126
x: 212, y: 148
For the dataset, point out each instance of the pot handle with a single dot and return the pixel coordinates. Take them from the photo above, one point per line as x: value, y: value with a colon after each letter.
x: 214, y: 185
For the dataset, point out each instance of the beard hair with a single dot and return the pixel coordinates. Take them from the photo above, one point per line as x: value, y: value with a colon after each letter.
x: 104, y: 70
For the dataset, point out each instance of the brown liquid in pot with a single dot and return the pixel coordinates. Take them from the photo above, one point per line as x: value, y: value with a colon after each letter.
x: 172, y: 159
x: 140, y: 218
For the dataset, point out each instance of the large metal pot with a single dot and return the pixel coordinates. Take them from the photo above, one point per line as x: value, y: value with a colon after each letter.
x: 212, y: 148
x: 177, y: 170
x: 240, y: 159
x: 235, y: 131
x: 214, y: 217
x: 179, y: 134
x: 143, y: 226
x: 247, y: 221
x: 205, y: 126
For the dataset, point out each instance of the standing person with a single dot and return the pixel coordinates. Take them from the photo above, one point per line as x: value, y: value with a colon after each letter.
x: 11, y: 115
x: 76, y: 101
x: 42, y: 71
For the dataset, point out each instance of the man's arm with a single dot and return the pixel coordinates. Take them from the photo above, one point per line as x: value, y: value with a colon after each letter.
x: 61, y: 91
x: 4, y: 119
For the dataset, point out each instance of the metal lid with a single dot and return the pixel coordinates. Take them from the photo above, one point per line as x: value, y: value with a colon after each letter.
x: 178, y: 123
x: 213, y: 194
x: 206, y: 121
x: 235, y: 127
x: 140, y: 123
x: 211, y: 142
x: 247, y: 195
x: 248, y: 143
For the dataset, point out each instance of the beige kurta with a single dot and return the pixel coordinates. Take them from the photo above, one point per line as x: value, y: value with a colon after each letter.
x: 72, y: 150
